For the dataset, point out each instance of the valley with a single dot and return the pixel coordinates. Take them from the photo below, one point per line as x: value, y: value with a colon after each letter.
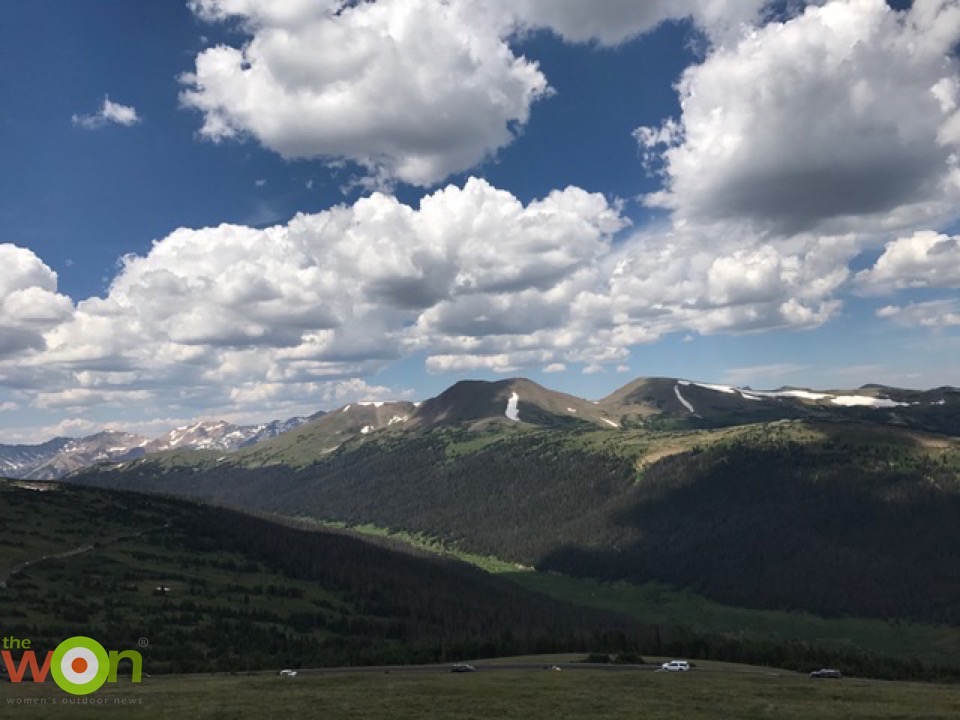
x: 774, y: 526
x: 662, y: 605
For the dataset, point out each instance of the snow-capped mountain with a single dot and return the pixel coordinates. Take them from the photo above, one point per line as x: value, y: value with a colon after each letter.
x: 83, y: 452
x: 220, y: 435
x: 18, y: 459
x: 56, y: 458
x: 277, y: 427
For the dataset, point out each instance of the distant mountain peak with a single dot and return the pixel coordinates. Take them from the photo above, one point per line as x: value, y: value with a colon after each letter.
x: 56, y: 458
x: 511, y: 400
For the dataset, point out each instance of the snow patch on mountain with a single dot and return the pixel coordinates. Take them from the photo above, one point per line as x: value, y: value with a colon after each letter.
x: 683, y: 400
x: 512, y: 411
x: 866, y: 401
x: 718, y: 388
x: 802, y: 394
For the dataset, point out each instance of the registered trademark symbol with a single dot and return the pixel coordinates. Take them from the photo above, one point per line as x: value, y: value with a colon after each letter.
x: 143, y: 642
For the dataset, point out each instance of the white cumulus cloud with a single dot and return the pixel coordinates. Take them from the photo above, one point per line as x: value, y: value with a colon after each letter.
x: 844, y: 117
x: 924, y: 259
x: 410, y: 89
x: 233, y: 316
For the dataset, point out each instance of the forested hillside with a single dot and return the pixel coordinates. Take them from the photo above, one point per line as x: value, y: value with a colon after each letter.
x: 211, y: 589
x: 837, y: 519
x: 835, y: 529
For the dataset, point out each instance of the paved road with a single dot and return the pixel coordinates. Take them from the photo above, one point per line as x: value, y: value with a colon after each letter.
x: 503, y: 667
x: 491, y: 667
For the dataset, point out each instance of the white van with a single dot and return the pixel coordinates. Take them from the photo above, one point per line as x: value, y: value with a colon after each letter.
x: 676, y: 666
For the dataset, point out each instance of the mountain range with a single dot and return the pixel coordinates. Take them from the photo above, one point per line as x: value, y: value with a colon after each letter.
x: 651, y: 403
x: 656, y: 404
x: 60, y: 456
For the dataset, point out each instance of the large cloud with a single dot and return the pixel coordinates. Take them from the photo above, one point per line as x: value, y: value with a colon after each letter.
x: 845, y: 117
x: 410, y: 89
x: 327, y: 297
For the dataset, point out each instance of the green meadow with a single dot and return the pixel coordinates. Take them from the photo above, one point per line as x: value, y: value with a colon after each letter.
x: 711, y: 692
x: 658, y: 604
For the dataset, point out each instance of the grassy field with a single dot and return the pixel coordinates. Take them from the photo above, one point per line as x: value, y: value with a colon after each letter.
x: 526, y: 695
x: 659, y: 604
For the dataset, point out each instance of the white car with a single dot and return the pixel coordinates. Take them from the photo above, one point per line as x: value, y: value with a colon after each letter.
x: 288, y: 673
x: 676, y: 666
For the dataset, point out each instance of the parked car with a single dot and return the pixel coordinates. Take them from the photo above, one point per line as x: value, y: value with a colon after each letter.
x: 676, y: 666
x: 462, y: 667
x: 826, y: 673
x: 288, y: 673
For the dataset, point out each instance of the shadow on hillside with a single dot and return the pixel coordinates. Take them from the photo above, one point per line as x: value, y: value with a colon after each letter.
x: 837, y: 530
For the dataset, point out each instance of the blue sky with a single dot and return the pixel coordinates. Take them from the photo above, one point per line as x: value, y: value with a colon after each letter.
x: 244, y: 209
